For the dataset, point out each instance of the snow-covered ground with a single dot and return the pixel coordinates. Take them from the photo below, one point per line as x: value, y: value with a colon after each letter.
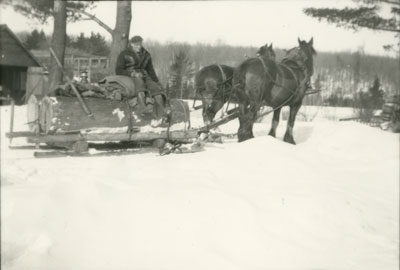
x: 330, y: 202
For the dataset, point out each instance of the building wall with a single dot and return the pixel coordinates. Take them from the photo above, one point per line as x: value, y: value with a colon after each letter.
x: 13, y: 81
x: 37, y: 82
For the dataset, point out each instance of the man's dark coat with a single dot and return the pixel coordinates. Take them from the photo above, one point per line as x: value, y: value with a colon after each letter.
x: 129, y: 61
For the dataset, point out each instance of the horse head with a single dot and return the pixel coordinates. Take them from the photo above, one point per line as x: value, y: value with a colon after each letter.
x: 266, y: 51
x: 303, y: 55
x: 307, y: 52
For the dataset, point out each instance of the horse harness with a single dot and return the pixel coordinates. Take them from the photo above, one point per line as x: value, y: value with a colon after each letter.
x: 283, y: 64
x: 225, y: 85
x: 222, y: 73
x: 280, y: 85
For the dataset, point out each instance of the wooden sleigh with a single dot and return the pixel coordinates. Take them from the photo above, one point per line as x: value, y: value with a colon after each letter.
x: 59, y: 121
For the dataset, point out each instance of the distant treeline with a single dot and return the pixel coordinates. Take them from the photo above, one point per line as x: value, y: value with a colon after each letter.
x: 338, y: 74
x: 343, y: 72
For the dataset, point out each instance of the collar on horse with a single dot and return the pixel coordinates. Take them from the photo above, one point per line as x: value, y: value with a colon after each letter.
x: 283, y: 64
x: 222, y: 73
x: 225, y: 90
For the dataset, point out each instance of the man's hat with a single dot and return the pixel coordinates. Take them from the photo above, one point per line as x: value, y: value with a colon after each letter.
x: 136, y: 39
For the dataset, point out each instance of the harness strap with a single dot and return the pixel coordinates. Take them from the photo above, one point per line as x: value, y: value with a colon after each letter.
x: 291, y: 71
x: 263, y: 63
x: 266, y: 70
x: 280, y: 85
x: 222, y: 73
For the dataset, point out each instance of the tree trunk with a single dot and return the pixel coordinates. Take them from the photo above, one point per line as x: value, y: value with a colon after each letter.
x: 120, y: 34
x: 64, y: 114
x: 58, y: 42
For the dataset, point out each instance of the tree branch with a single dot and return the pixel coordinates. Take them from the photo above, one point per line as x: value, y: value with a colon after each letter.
x: 383, y: 29
x: 365, y: 17
x: 94, y: 18
x: 390, y: 2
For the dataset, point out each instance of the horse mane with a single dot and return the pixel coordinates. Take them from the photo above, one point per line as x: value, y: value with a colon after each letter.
x: 287, y: 57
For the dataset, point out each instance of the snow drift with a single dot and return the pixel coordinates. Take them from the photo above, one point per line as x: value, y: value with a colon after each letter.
x: 330, y: 202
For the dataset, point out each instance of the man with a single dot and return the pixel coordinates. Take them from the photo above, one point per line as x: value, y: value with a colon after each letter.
x: 136, y: 63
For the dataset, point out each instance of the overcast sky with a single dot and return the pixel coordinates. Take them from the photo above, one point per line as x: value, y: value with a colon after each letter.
x: 231, y: 22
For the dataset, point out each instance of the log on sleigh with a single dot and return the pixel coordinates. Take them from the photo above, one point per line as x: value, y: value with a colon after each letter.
x: 60, y: 115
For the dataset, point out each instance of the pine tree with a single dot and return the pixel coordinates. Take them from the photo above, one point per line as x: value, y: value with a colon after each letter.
x: 80, y: 42
x: 180, y: 72
x: 36, y: 40
x: 97, y: 45
x: 33, y: 40
x: 43, y: 43
x: 376, y: 94
x: 365, y: 15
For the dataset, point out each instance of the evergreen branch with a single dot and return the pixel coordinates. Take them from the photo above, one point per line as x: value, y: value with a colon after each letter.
x: 371, y: 2
x: 397, y: 3
x: 396, y: 10
x: 365, y: 17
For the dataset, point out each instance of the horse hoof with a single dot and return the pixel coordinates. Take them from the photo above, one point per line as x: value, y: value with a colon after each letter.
x: 289, y: 139
x: 244, y: 138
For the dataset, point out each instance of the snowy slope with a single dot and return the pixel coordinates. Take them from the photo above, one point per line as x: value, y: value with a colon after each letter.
x: 331, y: 202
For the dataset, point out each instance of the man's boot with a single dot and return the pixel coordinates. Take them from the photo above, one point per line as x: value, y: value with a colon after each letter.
x: 142, y: 106
x: 163, y: 108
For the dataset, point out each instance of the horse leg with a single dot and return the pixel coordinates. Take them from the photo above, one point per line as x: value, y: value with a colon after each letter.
x: 252, y: 117
x: 245, y: 131
x: 292, y: 117
x: 275, y: 122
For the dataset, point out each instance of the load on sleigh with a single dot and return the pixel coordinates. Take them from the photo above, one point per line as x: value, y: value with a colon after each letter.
x: 115, y: 114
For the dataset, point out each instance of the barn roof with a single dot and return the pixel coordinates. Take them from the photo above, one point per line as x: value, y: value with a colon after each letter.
x: 12, y: 52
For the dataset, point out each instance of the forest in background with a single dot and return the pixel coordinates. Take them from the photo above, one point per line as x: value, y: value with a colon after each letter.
x: 339, y: 75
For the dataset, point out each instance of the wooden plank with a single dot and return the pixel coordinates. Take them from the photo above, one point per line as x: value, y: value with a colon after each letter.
x: 54, y: 154
x: 232, y: 114
x: 139, y: 136
x: 20, y: 134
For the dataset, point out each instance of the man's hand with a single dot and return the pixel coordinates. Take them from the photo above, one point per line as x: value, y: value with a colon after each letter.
x: 136, y: 74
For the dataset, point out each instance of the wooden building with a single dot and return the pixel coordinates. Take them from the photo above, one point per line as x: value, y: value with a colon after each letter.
x: 15, y: 60
x: 76, y: 61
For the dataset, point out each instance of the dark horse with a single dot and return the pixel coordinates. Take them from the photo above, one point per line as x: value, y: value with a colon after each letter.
x: 261, y: 81
x: 214, y: 85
